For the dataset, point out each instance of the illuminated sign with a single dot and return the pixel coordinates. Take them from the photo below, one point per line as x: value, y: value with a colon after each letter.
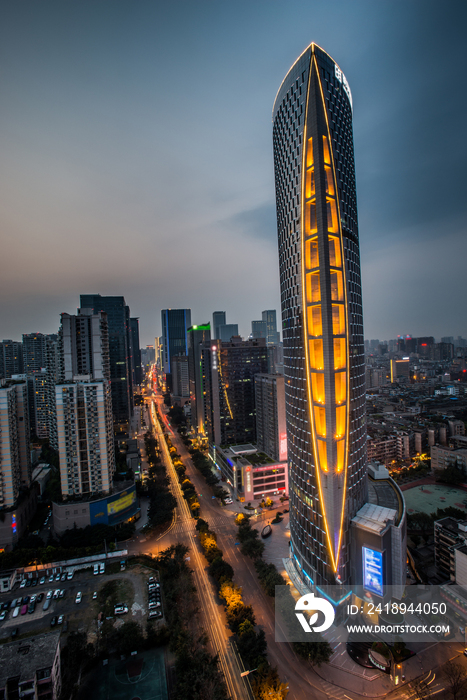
x: 342, y: 79
x: 283, y: 447
x: 248, y: 478
x: 214, y: 357
x: 13, y: 522
x: 373, y: 571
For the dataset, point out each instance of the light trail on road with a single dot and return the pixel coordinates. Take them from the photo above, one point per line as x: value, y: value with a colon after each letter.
x: 235, y: 684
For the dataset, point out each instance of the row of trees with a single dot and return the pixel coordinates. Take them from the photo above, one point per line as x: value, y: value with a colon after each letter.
x: 198, y: 676
x: 162, y: 503
x: 187, y: 487
x: 251, y: 643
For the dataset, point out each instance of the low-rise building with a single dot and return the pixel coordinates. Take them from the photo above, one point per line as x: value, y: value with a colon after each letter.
x: 253, y: 475
x: 30, y: 668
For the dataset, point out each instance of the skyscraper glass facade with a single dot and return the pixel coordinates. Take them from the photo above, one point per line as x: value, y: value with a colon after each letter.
x: 321, y: 313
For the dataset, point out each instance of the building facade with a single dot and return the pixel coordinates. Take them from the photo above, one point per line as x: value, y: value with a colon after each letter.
x: 269, y: 318
x: 271, y: 430
x: 228, y: 374
x: 15, y: 453
x: 322, y: 320
x: 197, y: 337
x: 118, y: 319
x: 175, y: 324
x: 218, y: 319
x: 11, y: 358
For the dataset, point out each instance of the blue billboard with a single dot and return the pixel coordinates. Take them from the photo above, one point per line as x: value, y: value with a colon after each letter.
x: 373, y: 571
x: 114, y: 509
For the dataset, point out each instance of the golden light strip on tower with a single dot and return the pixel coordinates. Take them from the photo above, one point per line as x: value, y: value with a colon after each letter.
x: 311, y: 292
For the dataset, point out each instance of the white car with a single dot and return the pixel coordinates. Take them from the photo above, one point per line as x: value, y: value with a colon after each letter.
x: 120, y: 610
x: 78, y: 597
x: 49, y: 595
x: 94, y: 595
x: 42, y: 581
x: 23, y: 583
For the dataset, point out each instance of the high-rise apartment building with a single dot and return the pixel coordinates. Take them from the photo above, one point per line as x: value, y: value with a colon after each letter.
x: 11, y: 358
x: 84, y: 404
x: 197, y: 337
x: 15, y: 455
x: 271, y: 430
x: 218, y: 319
x: 322, y: 321
x: 228, y: 375
x: 118, y: 319
x: 34, y: 352
x: 269, y: 317
x: 175, y: 324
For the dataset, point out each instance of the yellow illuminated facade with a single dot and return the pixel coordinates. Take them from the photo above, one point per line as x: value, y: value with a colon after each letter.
x: 322, y: 313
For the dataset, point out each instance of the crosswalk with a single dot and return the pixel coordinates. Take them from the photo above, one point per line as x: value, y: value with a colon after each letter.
x: 334, y: 692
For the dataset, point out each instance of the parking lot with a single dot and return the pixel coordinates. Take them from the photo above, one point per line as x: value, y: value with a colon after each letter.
x: 130, y: 590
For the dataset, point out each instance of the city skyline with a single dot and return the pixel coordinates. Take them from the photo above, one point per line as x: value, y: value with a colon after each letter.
x: 94, y: 159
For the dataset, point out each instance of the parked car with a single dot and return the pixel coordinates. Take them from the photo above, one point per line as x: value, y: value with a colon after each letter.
x: 120, y: 610
x: 31, y: 607
x: 16, y: 611
x: 23, y: 583
x: 102, y: 568
x: 60, y: 619
x: 96, y: 569
x: 51, y: 578
x: 28, y: 583
x: 63, y: 577
x: 78, y: 597
x: 57, y: 577
x: 24, y: 609
x: 69, y: 575
x: 155, y: 604
x: 33, y: 599
x: 42, y: 581
x: 25, y: 600
x: 53, y: 621
x: 46, y: 605
x: 2, y: 615
x: 154, y: 613
x: 34, y: 582
x: 39, y: 597
x: 94, y: 595
x: 56, y: 593
x: 49, y: 594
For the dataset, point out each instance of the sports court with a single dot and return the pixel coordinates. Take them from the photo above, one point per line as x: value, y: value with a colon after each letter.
x: 140, y: 677
x: 430, y: 497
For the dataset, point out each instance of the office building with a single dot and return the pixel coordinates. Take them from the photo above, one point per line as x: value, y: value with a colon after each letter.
x: 135, y: 352
x: 259, y: 329
x: 218, y: 319
x: 197, y: 337
x: 228, y: 375
x: 175, y: 324
x: 118, y: 319
x: 319, y: 263
x: 227, y: 332
x: 11, y: 358
x: 269, y: 318
x: 30, y: 668
x: 271, y: 430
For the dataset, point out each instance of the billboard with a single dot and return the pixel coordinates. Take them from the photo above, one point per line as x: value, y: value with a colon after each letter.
x: 373, y: 571
x: 114, y: 509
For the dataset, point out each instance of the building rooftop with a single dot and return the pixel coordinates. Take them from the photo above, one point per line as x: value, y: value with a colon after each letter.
x: 23, y: 658
x: 374, y: 518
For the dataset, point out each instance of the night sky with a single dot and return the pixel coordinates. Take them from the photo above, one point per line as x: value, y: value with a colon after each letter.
x: 136, y: 145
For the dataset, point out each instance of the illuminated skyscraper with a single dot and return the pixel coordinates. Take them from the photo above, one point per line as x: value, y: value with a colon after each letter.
x: 321, y: 313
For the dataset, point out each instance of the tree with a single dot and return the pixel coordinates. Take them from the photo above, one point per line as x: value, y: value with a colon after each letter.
x: 252, y: 548
x: 456, y: 678
x: 421, y: 689
x: 268, y: 686
x: 316, y: 651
